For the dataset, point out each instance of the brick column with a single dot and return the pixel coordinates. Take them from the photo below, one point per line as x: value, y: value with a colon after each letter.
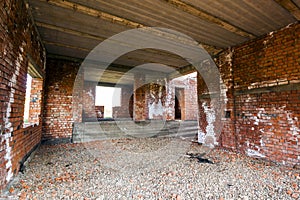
x: 170, y: 100
x: 89, y: 93
x: 77, y: 104
x: 139, y: 98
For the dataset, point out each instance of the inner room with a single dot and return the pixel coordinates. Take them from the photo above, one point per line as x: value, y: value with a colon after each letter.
x: 152, y: 99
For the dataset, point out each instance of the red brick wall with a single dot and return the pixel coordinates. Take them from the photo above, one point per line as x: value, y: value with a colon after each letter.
x: 58, y: 115
x: 262, y: 86
x: 18, y: 42
x: 139, y: 98
x: 188, y: 99
x: 147, y: 99
x: 267, y: 88
x: 224, y: 62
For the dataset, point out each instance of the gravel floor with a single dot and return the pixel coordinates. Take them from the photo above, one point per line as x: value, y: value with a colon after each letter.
x: 150, y: 168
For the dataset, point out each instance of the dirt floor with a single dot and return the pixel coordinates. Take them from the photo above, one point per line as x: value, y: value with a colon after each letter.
x: 150, y: 168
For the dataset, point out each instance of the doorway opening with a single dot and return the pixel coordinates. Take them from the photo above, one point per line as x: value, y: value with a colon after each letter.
x: 107, y: 98
x: 179, y: 103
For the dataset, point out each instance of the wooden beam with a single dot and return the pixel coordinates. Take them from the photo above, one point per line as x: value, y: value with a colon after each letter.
x: 212, y: 50
x: 66, y: 58
x: 95, y: 13
x: 69, y: 31
x: 208, y: 17
x: 66, y: 46
x: 290, y: 6
x: 182, y: 71
x: 113, y: 19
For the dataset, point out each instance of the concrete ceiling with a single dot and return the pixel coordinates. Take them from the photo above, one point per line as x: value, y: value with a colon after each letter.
x: 72, y: 28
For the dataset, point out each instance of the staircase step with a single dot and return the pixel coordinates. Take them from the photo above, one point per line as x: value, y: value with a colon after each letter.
x: 92, y: 131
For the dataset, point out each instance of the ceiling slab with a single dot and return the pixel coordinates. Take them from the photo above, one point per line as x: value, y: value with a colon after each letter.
x: 74, y: 28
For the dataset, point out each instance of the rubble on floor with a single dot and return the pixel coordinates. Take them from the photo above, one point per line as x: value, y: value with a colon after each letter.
x: 100, y: 170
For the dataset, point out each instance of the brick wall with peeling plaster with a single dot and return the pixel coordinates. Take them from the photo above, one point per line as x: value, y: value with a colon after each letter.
x: 18, y: 42
x: 189, y: 97
x: 88, y: 100
x: 261, y: 84
x: 58, y: 110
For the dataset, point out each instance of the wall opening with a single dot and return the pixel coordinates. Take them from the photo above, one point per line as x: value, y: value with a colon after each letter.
x: 185, y: 97
x: 107, y: 98
x: 27, y: 101
x: 33, y: 98
x: 179, y: 102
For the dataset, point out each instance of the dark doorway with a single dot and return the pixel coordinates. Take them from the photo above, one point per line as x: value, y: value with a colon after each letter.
x: 179, y: 102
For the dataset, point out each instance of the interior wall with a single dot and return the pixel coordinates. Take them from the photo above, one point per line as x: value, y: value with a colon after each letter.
x: 187, y: 97
x: 262, y: 87
x: 18, y: 42
x: 58, y: 109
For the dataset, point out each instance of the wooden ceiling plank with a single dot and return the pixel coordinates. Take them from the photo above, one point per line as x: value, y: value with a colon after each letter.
x: 114, y: 19
x: 66, y: 46
x: 69, y: 31
x: 290, y: 6
x: 212, y: 50
x: 96, y: 13
x: 205, y: 16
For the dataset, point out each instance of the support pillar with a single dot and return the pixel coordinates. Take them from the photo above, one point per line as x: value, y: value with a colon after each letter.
x: 139, y: 98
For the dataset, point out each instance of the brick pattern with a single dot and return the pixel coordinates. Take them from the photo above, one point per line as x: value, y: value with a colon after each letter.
x: 157, y: 100
x: 261, y: 83
x: 139, y: 108
x: 18, y: 40
x: 267, y: 124
x: 58, y: 109
x: 189, y: 102
x: 227, y: 137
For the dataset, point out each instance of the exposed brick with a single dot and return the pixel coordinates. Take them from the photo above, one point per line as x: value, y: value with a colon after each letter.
x: 58, y: 109
x: 18, y: 40
x: 261, y: 80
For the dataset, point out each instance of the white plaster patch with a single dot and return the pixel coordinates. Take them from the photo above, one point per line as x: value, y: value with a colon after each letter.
x: 210, y: 134
x: 90, y: 93
x: 295, y: 130
x: 253, y: 153
x: 261, y: 142
x: 224, y: 91
x: 267, y: 40
x: 7, y: 124
x: 155, y: 109
x: 228, y: 57
x: 201, y: 137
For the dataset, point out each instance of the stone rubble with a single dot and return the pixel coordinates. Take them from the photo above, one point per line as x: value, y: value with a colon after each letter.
x: 97, y: 170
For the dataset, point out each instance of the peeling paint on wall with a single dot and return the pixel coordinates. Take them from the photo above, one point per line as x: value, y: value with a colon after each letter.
x: 156, y: 109
x: 208, y: 138
x: 8, y: 128
x: 253, y: 153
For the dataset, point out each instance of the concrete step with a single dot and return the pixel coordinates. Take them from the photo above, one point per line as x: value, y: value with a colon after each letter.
x: 92, y: 131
